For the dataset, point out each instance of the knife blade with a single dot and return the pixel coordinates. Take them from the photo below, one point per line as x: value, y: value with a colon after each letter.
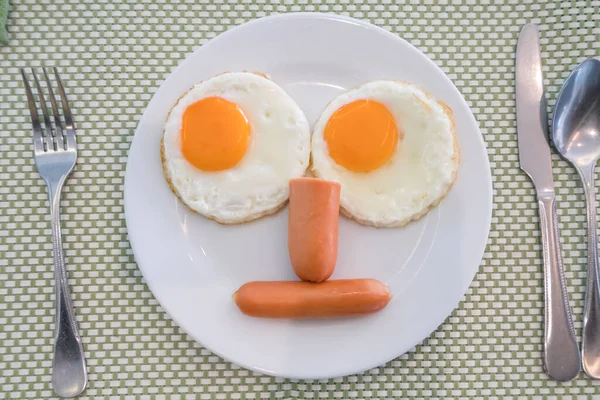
x: 561, y: 353
x: 532, y: 118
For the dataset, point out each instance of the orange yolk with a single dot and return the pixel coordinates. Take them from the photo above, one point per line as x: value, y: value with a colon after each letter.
x: 214, y: 134
x: 361, y: 136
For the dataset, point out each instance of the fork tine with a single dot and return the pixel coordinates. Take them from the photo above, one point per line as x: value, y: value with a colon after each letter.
x: 48, y: 131
x: 57, y: 122
x: 38, y: 141
x: 30, y: 101
x: 71, y: 139
x: 63, y: 97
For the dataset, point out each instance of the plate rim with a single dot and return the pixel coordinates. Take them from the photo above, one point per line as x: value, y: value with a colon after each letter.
x: 365, y: 24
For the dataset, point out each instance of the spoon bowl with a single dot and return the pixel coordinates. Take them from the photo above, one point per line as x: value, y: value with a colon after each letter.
x: 576, y: 123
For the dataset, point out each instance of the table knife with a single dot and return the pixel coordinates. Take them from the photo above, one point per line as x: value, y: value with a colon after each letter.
x: 561, y: 356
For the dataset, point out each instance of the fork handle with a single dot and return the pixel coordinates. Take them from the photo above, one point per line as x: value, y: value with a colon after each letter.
x: 561, y: 354
x: 69, y: 375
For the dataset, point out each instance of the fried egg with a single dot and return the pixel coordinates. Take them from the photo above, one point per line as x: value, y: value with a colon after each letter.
x: 231, y: 144
x: 393, y: 149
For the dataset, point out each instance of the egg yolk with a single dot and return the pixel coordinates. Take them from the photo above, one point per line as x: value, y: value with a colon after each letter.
x: 214, y: 134
x: 361, y: 136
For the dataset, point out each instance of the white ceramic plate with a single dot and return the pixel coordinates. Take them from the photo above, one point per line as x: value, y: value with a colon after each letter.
x: 193, y: 265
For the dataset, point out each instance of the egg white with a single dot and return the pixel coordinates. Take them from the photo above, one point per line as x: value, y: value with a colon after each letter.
x: 419, y: 173
x: 279, y: 150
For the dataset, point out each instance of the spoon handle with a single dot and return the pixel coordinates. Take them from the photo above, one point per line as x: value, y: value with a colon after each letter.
x: 590, y: 340
x: 561, y: 354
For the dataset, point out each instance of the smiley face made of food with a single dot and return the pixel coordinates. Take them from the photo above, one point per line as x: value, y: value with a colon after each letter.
x: 393, y: 149
x: 231, y: 144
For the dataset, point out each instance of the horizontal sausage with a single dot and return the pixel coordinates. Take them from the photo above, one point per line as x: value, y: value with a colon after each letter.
x: 296, y: 299
x: 313, y: 228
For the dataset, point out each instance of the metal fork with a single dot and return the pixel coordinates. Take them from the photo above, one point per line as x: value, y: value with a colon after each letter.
x: 55, y: 154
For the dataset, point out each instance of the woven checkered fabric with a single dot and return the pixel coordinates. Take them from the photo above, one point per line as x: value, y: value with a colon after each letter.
x: 113, y: 55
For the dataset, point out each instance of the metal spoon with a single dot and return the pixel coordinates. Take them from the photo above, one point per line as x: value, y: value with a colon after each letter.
x: 576, y: 135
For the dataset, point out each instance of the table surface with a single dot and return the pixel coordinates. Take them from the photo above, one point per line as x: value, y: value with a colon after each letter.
x: 113, y: 55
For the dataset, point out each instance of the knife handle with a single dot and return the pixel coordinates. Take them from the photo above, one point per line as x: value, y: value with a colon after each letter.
x: 561, y: 354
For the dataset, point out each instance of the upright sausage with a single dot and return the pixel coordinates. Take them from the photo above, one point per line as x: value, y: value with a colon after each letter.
x: 295, y: 299
x: 313, y: 227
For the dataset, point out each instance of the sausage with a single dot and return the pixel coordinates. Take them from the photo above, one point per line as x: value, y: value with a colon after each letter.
x: 296, y: 299
x: 313, y: 227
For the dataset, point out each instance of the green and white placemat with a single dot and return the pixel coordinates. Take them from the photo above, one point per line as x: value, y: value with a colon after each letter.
x: 114, y: 54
